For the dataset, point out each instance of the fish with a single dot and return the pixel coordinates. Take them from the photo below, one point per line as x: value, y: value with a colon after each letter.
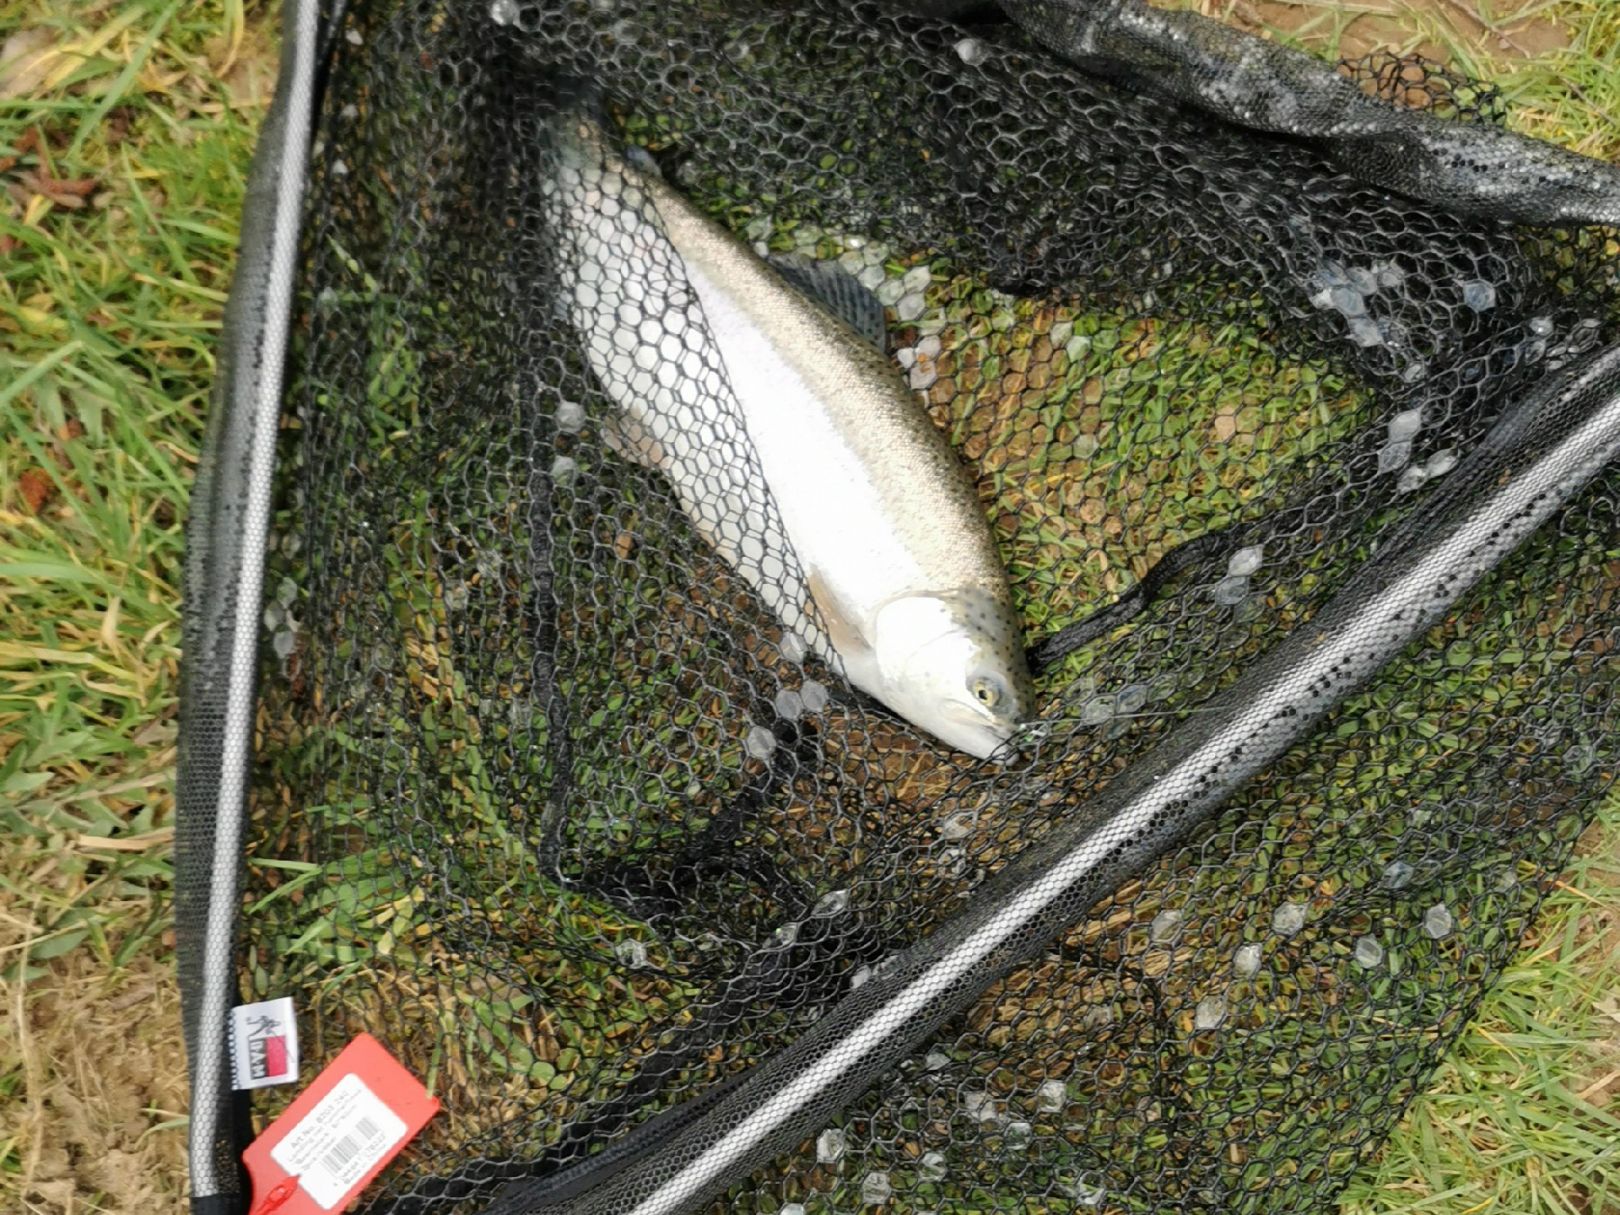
x: 787, y: 432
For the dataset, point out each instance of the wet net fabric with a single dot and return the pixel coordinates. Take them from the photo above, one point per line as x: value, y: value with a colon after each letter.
x: 551, y: 803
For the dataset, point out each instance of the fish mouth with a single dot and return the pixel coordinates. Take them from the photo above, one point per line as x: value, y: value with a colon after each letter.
x: 1014, y: 739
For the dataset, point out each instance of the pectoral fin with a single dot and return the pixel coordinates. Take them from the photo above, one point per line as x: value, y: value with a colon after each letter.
x: 837, y: 618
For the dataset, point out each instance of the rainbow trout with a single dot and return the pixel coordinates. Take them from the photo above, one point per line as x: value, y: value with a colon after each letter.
x: 707, y: 350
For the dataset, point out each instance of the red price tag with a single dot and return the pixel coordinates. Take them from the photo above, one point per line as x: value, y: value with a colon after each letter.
x: 339, y: 1133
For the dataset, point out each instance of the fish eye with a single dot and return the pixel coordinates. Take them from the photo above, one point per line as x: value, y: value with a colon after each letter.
x: 987, y: 691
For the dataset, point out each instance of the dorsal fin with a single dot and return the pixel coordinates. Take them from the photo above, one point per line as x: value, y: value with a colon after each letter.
x: 835, y: 291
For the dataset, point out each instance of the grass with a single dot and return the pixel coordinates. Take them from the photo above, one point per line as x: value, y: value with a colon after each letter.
x: 131, y: 139
x: 126, y: 151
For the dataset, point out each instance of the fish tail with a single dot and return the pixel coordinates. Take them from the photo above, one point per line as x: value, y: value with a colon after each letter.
x: 583, y: 123
x: 574, y: 96
x: 580, y: 118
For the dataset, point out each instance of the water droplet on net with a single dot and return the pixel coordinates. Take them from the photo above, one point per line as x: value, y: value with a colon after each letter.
x: 1076, y: 347
x: 563, y: 469
x: 932, y: 1166
x: 875, y: 1188
x: 1132, y: 698
x: 1397, y: 874
x: 1580, y: 758
x: 1438, y: 921
x: 1246, y: 561
x: 1541, y: 326
x: 1364, y: 279
x: 1018, y: 1135
x: 789, y: 705
x: 958, y: 826
x: 1348, y: 301
x: 910, y: 306
x: 815, y: 695
x: 1369, y: 953
x: 283, y: 643
x: 1246, y: 961
x: 1211, y: 1011
x: 871, y: 276
x: 1364, y: 331
x: 936, y: 1061
x: 917, y: 278
x: 981, y: 1107
x: 760, y: 742
x: 1390, y: 275
x: 1441, y: 463
x: 792, y: 1208
x: 1098, y: 1016
x: 1413, y: 478
x: 829, y: 1145
x: 503, y: 12
x: 631, y: 952
x: 832, y: 903
x: 1393, y: 456
x: 860, y: 978
x: 791, y: 647
x: 972, y: 52
x: 1051, y: 1097
x: 1405, y: 425
x: 890, y: 292
x: 1097, y: 710
x: 1478, y: 295
x: 1165, y: 926
x: 1231, y: 590
x: 1288, y: 919
x: 1085, y: 1193
x: 570, y: 417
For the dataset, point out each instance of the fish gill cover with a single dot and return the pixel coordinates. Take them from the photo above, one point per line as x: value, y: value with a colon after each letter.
x: 668, y: 914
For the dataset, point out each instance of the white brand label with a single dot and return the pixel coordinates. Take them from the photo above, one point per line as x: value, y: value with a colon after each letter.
x: 264, y: 1043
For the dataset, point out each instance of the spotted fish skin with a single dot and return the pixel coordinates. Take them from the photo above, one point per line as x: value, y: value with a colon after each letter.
x: 781, y: 428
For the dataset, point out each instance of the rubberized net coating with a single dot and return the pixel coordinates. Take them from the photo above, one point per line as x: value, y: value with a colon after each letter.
x: 670, y: 916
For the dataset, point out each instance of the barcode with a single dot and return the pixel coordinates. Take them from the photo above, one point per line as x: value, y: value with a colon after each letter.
x: 359, y: 1139
x: 348, y: 1132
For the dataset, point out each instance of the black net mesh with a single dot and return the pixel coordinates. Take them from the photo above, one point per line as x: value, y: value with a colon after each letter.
x: 565, y: 795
